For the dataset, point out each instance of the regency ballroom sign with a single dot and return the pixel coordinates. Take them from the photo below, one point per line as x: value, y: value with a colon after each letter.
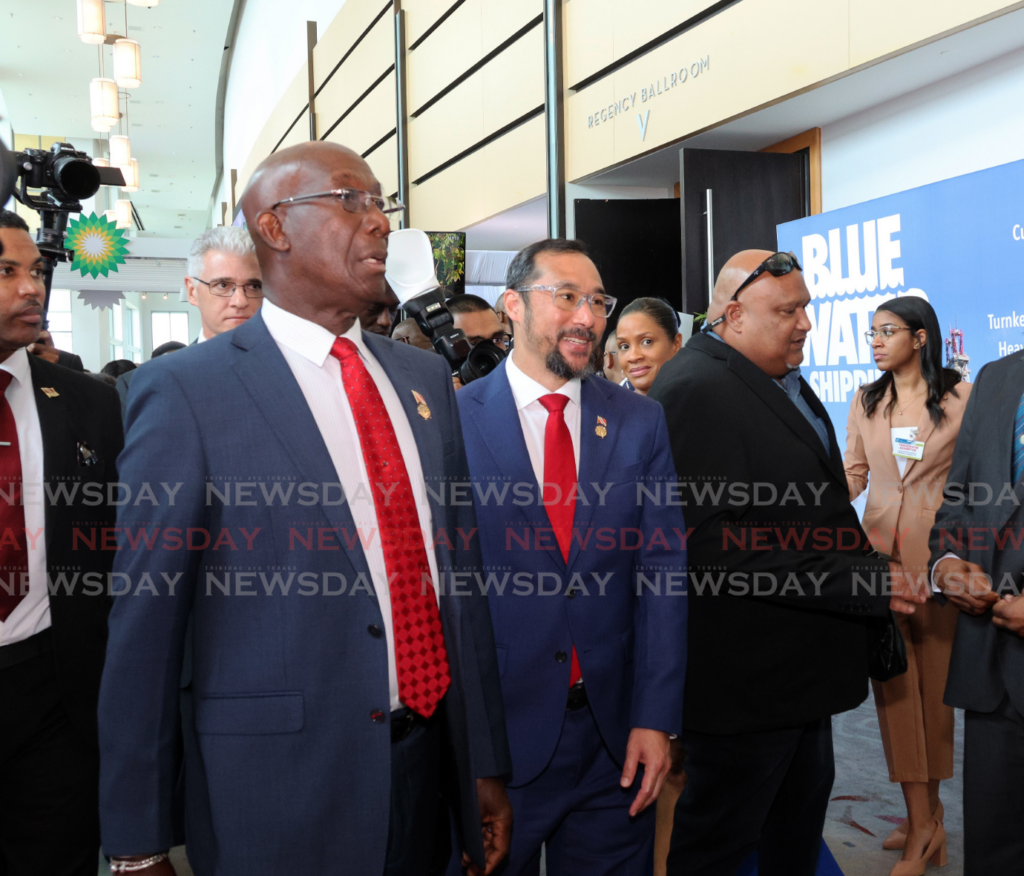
x: 648, y: 93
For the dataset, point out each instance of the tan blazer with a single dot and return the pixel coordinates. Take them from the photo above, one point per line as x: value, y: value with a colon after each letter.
x: 900, y: 511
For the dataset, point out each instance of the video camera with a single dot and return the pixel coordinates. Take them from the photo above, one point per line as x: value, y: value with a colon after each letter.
x: 410, y: 272
x: 64, y: 177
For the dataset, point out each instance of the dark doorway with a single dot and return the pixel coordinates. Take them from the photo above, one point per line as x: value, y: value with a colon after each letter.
x: 636, y: 245
x: 750, y: 193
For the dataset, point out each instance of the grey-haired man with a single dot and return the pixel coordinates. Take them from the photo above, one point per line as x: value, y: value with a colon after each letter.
x: 224, y: 279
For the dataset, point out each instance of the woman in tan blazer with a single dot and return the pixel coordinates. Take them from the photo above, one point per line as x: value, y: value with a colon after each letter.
x: 901, y: 431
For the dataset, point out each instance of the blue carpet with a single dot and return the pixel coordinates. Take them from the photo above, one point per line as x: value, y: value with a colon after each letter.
x: 827, y: 865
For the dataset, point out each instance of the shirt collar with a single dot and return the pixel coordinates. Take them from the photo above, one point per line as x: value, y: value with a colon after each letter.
x: 17, y: 366
x: 526, y: 390
x: 307, y: 338
x: 790, y: 383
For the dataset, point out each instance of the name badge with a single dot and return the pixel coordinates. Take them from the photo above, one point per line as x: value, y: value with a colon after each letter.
x: 907, y: 448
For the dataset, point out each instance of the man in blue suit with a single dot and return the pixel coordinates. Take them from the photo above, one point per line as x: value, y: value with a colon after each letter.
x: 287, y: 558
x: 585, y: 566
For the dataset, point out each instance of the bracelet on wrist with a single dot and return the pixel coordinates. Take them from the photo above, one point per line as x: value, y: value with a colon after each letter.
x: 135, y: 865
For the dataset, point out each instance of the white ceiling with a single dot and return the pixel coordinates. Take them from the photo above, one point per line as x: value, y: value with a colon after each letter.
x: 44, y: 76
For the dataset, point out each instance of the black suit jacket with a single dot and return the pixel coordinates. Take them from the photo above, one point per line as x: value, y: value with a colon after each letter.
x: 70, y: 360
x: 981, y: 521
x: 783, y: 641
x: 78, y: 417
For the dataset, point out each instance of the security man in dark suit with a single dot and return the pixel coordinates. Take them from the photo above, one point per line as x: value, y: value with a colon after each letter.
x: 779, y: 579
x: 977, y: 563
x: 60, y: 434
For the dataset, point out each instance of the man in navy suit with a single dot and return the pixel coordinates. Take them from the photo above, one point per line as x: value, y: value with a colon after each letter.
x: 585, y: 568
x: 294, y: 573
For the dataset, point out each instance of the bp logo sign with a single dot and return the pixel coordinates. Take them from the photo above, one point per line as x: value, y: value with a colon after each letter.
x: 98, y: 244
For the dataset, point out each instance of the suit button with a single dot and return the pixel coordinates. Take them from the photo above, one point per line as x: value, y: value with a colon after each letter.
x: 375, y: 631
x: 561, y: 656
x: 571, y: 594
x: 899, y: 488
x: 377, y: 716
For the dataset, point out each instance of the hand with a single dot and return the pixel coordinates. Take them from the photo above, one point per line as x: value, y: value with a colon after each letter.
x: 905, y: 591
x: 44, y: 348
x: 496, y: 824
x: 965, y: 585
x: 1008, y: 614
x: 163, y: 868
x: 650, y: 748
x: 457, y: 382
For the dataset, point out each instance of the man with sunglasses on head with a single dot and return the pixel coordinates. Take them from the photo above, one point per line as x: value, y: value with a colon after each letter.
x: 585, y: 573
x: 779, y: 628
x: 335, y: 682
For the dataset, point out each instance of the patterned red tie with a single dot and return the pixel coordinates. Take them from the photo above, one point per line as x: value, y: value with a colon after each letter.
x: 420, y: 655
x: 13, y: 552
x: 560, y: 470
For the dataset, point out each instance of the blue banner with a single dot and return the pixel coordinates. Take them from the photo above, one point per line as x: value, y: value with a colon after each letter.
x: 958, y: 243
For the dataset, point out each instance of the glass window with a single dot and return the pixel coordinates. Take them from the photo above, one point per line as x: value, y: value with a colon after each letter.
x: 58, y: 317
x: 169, y: 327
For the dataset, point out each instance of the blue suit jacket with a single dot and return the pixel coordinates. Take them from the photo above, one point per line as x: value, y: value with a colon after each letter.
x: 627, y: 570
x: 285, y: 771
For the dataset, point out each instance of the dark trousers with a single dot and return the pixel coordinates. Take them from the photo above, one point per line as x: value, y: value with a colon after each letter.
x: 766, y: 791
x: 49, y: 779
x: 413, y: 833
x: 994, y: 792
x: 577, y: 809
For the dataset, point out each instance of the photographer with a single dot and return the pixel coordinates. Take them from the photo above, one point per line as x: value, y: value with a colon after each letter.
x: 479, y: 321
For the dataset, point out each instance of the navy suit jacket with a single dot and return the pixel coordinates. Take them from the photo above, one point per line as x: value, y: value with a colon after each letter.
x: 285, y: 771
x: 620, y: 599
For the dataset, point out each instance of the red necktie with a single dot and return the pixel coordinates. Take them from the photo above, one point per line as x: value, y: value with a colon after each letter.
x: 13, y: 553
x: 420, y: 655
x: 560, y: 471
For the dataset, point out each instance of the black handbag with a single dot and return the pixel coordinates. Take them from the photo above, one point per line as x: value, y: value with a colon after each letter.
x: 887, y: 652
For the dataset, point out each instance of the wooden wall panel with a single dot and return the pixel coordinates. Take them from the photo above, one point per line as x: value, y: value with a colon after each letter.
x: 447, y: 53
x: 880, y: 27
x: 599, y: 32
x: 383, y: 162
x: 370, y: 59
x: 370, y: 120
x: 354, y: 17
x: 421, y: 15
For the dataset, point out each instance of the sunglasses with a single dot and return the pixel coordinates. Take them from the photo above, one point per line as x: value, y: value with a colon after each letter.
x: 778, y: 265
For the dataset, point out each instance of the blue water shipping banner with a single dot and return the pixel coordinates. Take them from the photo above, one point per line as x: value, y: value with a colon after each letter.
x: 958, y: 243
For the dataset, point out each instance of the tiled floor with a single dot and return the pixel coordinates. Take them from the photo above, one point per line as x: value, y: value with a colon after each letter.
x: 864, y: 807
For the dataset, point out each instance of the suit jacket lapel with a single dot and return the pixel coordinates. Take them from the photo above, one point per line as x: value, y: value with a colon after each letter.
x: 775, y: 397
x: 1004, y: 438
x: 60, y: 451
x: 596, y: 453
x: 264, y: 372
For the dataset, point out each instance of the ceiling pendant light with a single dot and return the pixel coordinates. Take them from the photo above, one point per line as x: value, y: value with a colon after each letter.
x: 92, y: 22
x: 123, y: 213
x: 100, y: 162
x: 130, y: 171
x: 127, y: 63
x: 110, y: 215
x: 103, y: 104
x: 120, y: 150
x: 143, y: 2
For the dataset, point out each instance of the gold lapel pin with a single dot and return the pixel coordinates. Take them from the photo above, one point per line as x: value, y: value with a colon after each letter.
x: 49, y: 391
x: 421, y: 405
x: 601, y: 429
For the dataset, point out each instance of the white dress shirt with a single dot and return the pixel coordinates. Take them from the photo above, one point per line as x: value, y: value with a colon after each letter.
x: 533, y: 416
x: 32, y: 614
x: 306, y: 347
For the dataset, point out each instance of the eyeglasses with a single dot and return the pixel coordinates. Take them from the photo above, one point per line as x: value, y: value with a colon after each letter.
x: 570, y: 298
x: 502, y: 340
x: 226, y: 288
x: 353, y: 200
x: 886, y: 332
x: 777, y: 264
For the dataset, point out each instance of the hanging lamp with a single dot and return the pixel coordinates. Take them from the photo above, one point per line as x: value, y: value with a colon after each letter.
x: 103, y: 104
x: 92, y: 22
x: 127, y: 63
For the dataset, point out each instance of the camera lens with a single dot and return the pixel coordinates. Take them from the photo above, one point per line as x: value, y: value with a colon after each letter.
x: 482, y: 360
x: 76, y: 177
